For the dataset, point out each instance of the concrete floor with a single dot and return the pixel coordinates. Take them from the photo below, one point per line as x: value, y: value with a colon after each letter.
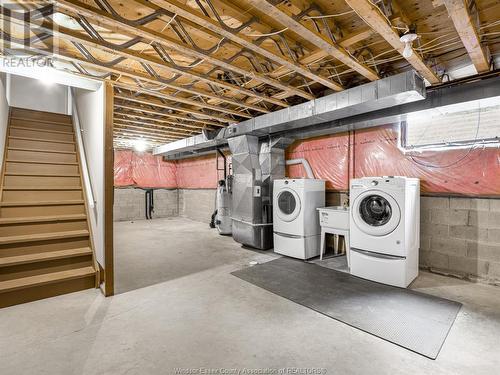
x: 199, y: 316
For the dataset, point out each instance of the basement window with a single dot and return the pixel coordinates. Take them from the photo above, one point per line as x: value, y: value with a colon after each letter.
x: 471, y: 123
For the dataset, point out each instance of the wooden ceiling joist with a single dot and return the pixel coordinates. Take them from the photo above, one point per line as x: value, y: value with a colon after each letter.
x: 66, y: 56
x: 124, y: 130
x: 170, y: 124
x: 315, y: 38
x: 152, y: 124
x: 192, y: 14
x: 166, y: 117
x: 65, y: 34
x: 374, y: 18
x: 459, y: 14
x: 145, y: 130
x: 106, y: 20
x: 162, y: 95
x: 154, y: 103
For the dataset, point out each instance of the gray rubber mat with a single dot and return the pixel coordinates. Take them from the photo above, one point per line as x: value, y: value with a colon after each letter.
x: 413, y: 320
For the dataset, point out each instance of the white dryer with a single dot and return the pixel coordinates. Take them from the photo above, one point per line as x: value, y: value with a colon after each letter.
x: 295, y: 219
x: 385, y: 229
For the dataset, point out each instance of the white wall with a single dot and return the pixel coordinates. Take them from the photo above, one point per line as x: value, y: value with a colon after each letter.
x: 90, y: 111
x: 4, y: 114
x: 38, y: 95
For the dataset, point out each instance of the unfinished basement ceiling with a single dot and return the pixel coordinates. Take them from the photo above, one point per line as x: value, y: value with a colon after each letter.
x: 182, y: 66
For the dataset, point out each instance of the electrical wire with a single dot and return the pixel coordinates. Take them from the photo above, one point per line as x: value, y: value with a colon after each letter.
x: 268, y: 34
x: 329, y: 15
x: 473, y: 146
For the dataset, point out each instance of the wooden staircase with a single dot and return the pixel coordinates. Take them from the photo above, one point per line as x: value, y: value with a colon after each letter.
x: 45, y: 243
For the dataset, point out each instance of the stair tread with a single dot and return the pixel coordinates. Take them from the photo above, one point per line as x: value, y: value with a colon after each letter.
x: 14, y: 117
x: 40, y: 162
x: 40, y: 130
x: 37, y: 219
x: 42, y: 188
x: 42, y: 203
x: 41, y: 140
x: 43, y: 236
x: 48, y: 278
x: 43, y: 256
x: 41, y: 150
x: 42, y: 174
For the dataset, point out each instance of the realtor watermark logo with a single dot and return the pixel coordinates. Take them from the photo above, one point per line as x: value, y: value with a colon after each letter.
x: 26, y: 29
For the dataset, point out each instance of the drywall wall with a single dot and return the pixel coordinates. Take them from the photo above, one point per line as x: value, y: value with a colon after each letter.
x: 4, y: 114
x: 90, y: 112
x: 38, y: 95
x: 130, y: 204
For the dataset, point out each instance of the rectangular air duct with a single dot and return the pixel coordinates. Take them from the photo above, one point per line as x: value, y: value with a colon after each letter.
x: 391, y: 91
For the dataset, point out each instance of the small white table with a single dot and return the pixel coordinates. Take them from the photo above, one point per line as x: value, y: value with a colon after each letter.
x: 334, y: 220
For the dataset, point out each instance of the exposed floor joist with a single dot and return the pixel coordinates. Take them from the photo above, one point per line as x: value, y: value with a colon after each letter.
x: 461, y: 18
x: 315, y: 38
x: 374, y: 18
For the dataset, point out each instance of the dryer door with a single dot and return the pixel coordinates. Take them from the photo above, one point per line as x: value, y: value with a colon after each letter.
x: 288, y: 205
x: 376, y: 213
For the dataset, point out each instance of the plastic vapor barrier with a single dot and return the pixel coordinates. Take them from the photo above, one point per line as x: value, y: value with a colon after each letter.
x: 473, y: 171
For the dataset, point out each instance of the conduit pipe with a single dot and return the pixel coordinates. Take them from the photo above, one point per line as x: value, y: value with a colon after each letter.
x: 305, y: 164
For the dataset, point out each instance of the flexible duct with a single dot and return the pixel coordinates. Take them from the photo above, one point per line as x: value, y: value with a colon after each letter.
x: 305, y: 164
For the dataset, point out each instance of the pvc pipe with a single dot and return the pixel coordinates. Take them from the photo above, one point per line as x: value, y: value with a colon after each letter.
x: 305, y: 164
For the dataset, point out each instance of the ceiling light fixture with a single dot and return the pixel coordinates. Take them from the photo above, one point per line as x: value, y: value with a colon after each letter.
x: 408, y: 39
x: 140, y: 145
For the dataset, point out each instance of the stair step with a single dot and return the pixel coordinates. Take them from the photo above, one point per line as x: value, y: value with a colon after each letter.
x: 42, y: 121
x: 42, y: 140
x: 41, y: 150
x: 40, y: 130
x: 40, y: 162
x: 40, y: 219
x: 41, y: 203
x: 42, y: 174
x: 43, y: 236
x: 6, y: 188
x: 48, y: 278
x: 44, y: 256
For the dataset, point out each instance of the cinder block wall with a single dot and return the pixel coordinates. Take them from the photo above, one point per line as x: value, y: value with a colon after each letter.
x: 197, y: 204
x: 130, y: 203
x: 461, y: 236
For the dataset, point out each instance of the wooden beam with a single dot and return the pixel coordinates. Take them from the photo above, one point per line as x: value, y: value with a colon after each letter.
x: 65, y: 34
x: 197, y: 123
x: 374, y: 18
x: 137, y: 112
x: 161, y: 95
x: 157, y: 104
x: 121, y: 129
x: 148, y: 123
x: 315, y: 38
x: 161, y: 130
x: 106, y: 20
x: 178, y: 99
x: 459, y: 14
x: 193, y: 15
x: 109, y: 264
x: 165, y: 129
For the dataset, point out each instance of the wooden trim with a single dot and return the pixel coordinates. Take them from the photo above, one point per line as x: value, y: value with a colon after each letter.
x: 85, y: 203
x: 5, y: 150
x: 109, y: 282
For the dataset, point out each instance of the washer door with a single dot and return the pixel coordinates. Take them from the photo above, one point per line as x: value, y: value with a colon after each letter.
x: 376, y: 213
x: 288, y: 205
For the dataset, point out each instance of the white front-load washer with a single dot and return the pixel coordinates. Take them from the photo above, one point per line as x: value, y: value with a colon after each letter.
x: 295, y: 219
x: 385, y: 229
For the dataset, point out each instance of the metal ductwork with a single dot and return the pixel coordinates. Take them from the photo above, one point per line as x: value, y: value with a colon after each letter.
x: 255, y: 166
x: 388, y: 92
